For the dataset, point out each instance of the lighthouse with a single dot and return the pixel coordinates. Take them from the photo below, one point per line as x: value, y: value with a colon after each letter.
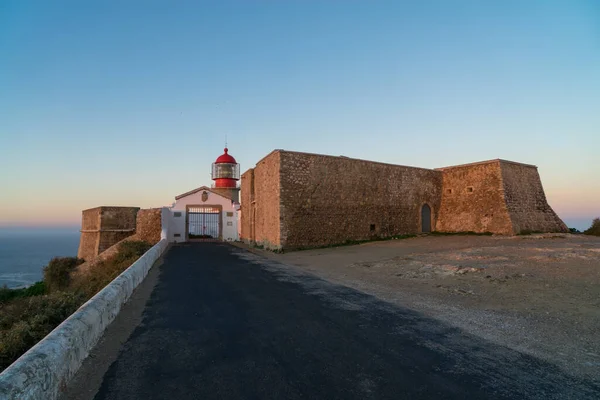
x: 226, y: 174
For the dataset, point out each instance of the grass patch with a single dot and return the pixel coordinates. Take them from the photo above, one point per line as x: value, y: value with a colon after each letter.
x: 27, y: 315
x: 526, y: 232
x: 258, y: 246
x: 37, y: 289
x: 351, y: 242
x: 469, y: 233
x: 594, y: 230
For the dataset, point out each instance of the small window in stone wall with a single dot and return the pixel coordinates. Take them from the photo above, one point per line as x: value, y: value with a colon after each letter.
x: 177, y: 214
x: 177, y: 235
x: 372, y: 227
x: 470, y: 189
x: 449, y: 191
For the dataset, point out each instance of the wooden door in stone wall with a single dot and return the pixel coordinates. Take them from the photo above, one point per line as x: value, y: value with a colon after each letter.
x: 425, y: 218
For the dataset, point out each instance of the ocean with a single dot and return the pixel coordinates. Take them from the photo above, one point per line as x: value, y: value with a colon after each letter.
x: 25, y: 251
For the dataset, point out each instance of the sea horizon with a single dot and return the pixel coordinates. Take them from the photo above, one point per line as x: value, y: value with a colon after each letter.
x: 25, y: 251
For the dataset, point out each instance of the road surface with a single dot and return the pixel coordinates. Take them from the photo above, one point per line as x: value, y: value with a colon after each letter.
x: 222, y: 323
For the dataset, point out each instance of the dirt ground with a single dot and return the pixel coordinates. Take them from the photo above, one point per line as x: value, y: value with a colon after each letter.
x: 538, y: 294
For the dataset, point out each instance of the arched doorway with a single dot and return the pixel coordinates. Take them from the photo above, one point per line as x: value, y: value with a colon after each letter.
x: 425, y: 218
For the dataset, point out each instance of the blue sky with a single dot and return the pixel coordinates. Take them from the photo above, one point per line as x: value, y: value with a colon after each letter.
x: 105, y: 103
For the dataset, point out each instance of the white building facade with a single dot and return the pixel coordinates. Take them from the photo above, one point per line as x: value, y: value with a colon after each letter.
x: 203, y: 213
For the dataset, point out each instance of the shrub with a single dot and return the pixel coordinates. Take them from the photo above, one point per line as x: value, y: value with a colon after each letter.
x: 133, y: 249
x: 57, y: 274
x: 36, y: 289
x: 14, y: 342
x: 461, y: 233
x: 574, y: 230
x: 25, y: 321
x: 594, y: 229
x: 105, y: 271
x: 6, y: 294
x: 99, y: 276
x: 27, y: 315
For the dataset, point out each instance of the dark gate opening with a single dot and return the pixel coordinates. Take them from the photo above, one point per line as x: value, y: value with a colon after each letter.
x: 426, y: 218
x: 204, y: 223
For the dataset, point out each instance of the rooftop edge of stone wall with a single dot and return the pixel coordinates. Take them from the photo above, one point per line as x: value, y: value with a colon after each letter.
x: 496, y: 160
x: 109, y: 208
x: 339, y: 157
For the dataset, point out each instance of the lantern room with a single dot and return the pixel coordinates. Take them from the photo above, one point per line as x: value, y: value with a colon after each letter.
x: 225, y: 171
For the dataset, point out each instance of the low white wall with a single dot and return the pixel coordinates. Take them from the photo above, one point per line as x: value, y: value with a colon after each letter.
x: 49, y: 365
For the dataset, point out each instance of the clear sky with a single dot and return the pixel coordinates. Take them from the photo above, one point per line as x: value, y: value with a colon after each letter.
x: 129, y: 102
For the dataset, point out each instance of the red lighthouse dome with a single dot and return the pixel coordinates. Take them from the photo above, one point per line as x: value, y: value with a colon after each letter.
x: 225, y: 171
x: 225, y: 158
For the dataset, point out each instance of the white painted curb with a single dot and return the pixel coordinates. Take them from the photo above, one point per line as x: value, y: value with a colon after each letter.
x: 47, y: 367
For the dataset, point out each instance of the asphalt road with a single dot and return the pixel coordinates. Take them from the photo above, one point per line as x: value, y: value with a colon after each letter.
x: 223, y: 323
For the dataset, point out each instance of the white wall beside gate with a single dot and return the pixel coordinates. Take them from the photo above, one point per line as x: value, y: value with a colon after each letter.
x: 229, y: 219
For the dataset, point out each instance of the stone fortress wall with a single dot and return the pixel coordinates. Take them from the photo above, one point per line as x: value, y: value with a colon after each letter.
x: 495, y: 196
x: 261, y: 202
x: 116, y: 223
x: 295, y: 200
x: 246, y: 203
x: 327, y: 200
x: 90, y: 233
x: 103, y: 227
x: 526, y: 201
x: 315, y: 200
x: 473, y: 199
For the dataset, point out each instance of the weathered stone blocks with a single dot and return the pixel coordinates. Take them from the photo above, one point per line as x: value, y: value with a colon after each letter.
x: 292, y: 200
x: 103, y: 227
